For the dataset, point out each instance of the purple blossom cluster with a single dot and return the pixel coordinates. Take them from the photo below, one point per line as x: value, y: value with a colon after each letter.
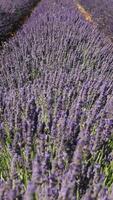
x: 56, y: 108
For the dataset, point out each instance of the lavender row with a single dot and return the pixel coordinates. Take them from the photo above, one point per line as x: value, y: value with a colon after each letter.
x: 56, y: 99
x: 58, y: 133
x: 12, y: 13
x: 54, y: 36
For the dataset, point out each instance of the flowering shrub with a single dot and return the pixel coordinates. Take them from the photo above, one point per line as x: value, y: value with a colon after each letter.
x: 56, y: 99
x: 12, y: 14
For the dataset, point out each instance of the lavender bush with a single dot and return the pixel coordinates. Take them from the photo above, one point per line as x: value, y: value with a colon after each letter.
x: 56, y: 117
x: 12, y: 15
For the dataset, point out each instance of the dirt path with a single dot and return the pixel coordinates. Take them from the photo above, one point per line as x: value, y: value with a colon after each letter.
x: 99, y: 12
x: 86, y: 14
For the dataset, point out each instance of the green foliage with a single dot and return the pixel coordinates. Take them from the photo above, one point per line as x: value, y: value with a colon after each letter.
x: 5, y: 156
x: 108, y: 171
x: 5, y: 161
x: 35, y: 196
x: 106, y: 167
x: 35, y: 73
x: 33, y: 149
x: 23, y: 174
x: 7, y: 131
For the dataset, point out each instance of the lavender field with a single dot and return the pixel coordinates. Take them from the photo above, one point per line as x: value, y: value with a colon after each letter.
x: 56, y: 107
